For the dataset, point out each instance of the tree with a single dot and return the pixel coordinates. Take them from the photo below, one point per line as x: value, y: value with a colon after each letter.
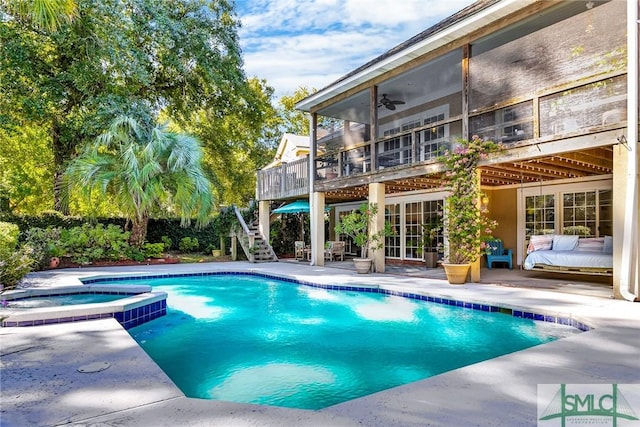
x: 131, y: 57
x: 297, y: 122
x: 145, y: 169
x: 48, y: 14
x: 238, y: 143
x: 25, y: 171
x: 294, y: 121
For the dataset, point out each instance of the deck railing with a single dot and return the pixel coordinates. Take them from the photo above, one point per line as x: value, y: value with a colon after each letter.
x: 284, y: 181
x: 508, y: 124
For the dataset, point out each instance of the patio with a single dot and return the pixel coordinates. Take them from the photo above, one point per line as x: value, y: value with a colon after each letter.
x: 599, y: 286
x: 41, y: 384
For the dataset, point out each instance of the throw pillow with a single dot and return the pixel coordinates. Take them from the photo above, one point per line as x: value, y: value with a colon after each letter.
x: 607, y: 248
x: 564, y: 243
x: 540, y: 243
x: 590, y: 244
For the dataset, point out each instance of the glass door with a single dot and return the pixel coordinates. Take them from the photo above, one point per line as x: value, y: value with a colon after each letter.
x: 392, y: 243
x: 413, y: 228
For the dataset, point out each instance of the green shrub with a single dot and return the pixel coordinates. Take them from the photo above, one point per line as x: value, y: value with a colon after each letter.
x: 188, y: 244
x: 166, y: 242
x: 90, y: 243
x: 153, y: 250
x: 134, y: 253
x: 8, y: 238
x: 15, y: 260
x: 45, y: 244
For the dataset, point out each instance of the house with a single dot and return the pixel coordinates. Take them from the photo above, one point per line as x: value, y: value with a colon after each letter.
x: 292, y: 147
x: 555, y: 81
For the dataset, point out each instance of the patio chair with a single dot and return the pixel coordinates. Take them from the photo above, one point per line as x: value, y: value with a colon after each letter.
x: 299, y: 250
x: 335, y: 250
x: 498, y: 253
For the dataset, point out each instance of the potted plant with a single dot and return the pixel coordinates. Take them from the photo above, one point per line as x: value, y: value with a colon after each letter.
x: 215, y: 251
x: 55, y: 252
x: 356, y: 225
x: 466, y: 222
x: 427, y: 245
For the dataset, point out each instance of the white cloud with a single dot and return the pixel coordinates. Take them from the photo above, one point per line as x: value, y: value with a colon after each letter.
x: 312, y: 43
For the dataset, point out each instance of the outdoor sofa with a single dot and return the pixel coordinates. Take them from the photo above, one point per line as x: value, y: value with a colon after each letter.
x: 572, y: 254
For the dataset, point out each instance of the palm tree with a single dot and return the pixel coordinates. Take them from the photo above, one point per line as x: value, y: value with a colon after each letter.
x: 145, y: 169
x: 49, y: 14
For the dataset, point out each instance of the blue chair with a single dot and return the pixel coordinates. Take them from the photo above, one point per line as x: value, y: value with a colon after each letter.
x: 496, y: 253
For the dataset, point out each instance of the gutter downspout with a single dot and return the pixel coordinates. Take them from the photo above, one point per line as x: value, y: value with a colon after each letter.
x: 629, y: 262
x: 312, y: 179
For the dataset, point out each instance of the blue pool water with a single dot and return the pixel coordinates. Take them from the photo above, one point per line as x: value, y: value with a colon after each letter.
x: 60, y: 300
x: 259, y: 340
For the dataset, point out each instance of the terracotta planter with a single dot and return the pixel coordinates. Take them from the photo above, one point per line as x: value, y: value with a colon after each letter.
x: 363, y: 265
x: 456, y: 273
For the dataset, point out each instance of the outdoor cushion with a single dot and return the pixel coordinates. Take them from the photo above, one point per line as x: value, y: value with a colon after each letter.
x: 570, y: 259
x: 564, y: 243
x: 540, y: 243
x: 590, y: 244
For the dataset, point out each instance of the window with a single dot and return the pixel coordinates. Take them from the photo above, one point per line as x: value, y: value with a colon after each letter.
x: 605, y: 212
x: 433, y: 138
x: 392, y: 243
x: 587, y: 213
x: 432, y: 213
x: 539, y: 215
x: 394, y: 152
x: 579, y: 213
x: 413, y: 227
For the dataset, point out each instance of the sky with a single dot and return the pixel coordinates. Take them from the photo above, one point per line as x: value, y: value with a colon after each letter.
x: 312, y: 43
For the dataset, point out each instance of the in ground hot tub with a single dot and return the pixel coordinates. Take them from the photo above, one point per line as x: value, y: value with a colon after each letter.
x: 129, y: 305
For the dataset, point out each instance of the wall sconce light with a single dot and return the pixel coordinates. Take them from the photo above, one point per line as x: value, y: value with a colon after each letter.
x: 484, y: 200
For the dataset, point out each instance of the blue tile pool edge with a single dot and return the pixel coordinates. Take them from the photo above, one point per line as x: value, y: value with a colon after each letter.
x: 131, y: 311
x: 515, y: 312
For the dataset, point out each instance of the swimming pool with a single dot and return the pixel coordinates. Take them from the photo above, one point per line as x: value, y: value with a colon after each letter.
x: 257, y: 339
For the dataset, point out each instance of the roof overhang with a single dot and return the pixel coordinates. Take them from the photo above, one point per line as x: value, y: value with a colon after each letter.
x: 447, y: 35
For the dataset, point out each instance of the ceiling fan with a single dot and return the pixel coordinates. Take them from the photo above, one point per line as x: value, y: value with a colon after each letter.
x: 389, y: 103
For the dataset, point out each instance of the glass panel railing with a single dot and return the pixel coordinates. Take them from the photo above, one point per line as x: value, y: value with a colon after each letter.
x: 356, y: 160
x: 596, y: 104
x: 509, y: 124
x: 394, y: 151
x: 327, y: 167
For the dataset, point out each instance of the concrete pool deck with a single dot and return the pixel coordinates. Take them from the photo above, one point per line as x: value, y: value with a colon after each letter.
x: 41, y: 383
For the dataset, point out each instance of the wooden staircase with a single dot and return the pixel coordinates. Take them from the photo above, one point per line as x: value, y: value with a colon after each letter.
x: 254, y: 245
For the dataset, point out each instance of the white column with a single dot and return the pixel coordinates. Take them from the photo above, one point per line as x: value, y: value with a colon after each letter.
x: 627, y: 285
x: 376, y: 196
x: 263, y: 219
x: 316, y: 205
